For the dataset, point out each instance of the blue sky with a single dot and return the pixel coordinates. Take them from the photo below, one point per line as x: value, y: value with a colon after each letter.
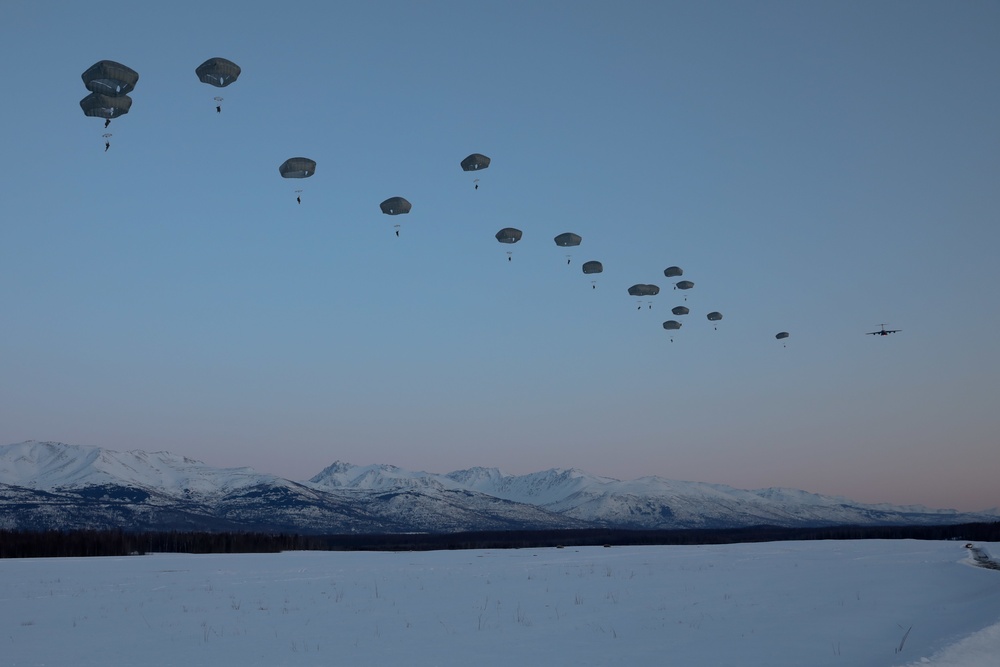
x: 817, y: 168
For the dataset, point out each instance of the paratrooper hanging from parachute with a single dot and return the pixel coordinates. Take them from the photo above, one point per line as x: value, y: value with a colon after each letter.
x: 218, y: 72
x: 684, y: 285
x: 109, y: 83
x: 395, y: 206
x: 568, y: 240
x: 509, y: 235
x: 671, y: 325
x: 297, y: 167
x: 592, y: 267
x: 475, y: 162
x: 641, y: 290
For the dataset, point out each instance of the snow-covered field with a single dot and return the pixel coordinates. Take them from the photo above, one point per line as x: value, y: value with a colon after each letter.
x: 853, y: 603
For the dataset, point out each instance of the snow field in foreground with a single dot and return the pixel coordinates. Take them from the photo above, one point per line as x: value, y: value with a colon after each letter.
x: 782, y: 603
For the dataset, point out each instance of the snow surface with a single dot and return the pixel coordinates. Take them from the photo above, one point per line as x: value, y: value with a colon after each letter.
x: 780, y: 603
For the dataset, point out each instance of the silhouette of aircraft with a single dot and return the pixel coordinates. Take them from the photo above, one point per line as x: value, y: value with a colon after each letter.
x: 883, y: 331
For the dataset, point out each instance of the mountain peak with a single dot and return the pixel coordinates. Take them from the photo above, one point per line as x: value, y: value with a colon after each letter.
x: 53, y: 465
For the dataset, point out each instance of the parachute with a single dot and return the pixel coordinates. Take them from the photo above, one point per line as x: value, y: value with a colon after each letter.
x: 714, y: 316
x: 297, y: 167
x: 110, y: 78
x: 643, y: 290
x: 104, y: 106
x: 783, y: 334
x: 568, y: 239
x: 395, y: 206
x: 671, y: 325
x: 218, y: 72
x: 680, y: 310
x: 509, y: 235
x: 590, y: 267
x: 685, y: 285
x: 673, y: 271
x: 108, y: 83
x: 475, y: 162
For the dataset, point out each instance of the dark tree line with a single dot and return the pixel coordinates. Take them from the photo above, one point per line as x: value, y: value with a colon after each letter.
x: 31, y: 544
x: 49, y: 543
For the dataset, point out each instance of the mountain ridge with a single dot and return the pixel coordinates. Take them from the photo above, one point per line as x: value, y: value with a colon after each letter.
x: 50, y: 485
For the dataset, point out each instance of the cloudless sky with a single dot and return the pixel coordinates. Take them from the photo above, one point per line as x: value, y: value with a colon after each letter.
x: 816, y: 168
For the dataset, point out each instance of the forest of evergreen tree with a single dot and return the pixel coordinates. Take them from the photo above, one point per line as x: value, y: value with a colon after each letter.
x: 121, y: 542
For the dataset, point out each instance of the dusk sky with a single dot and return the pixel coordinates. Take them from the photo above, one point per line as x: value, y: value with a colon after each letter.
x: 814, y: 167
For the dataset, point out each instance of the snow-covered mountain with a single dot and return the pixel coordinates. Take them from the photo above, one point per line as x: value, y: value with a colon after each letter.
x: 53, y: 485
x: 52, y: 466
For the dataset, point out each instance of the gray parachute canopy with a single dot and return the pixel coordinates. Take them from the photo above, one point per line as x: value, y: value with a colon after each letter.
x: 673, y: 271
x: 297, y: 167
x: 509, y: 235
x: 714, y: 316
x: 395, y: 206
x: 218, y: 72
x: 671, y: 324
x: 680, y: 310
x: 110, y: 78
x: 593, y: 266
x: 684, y: 284
x: 103, y: 106
x: 643, y: 290
x: 568, y: 239
x: 783, y: 334
x: 475, y: 162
